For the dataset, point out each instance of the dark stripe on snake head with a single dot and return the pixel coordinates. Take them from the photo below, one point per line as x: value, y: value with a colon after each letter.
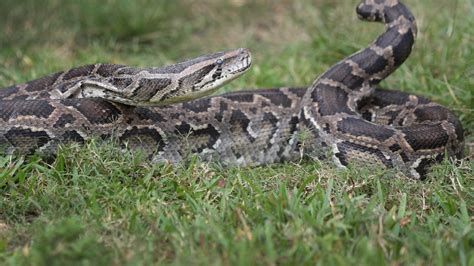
x: 187, y: 82
x: 195, y: 77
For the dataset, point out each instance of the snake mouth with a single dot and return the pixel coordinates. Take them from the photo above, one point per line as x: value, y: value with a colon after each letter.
x: 236, y: 67
x: 236, y: 63
x: 245, y: 61
x: 241, y: 65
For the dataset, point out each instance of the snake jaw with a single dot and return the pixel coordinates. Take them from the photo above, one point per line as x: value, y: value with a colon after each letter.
x: 225, y: 69
x: 218, y: 70
x: 204, y: 76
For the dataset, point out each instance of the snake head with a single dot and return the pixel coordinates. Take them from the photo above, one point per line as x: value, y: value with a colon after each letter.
x: 370, y: 10
x: 205, y: 74
x: 375, y: 10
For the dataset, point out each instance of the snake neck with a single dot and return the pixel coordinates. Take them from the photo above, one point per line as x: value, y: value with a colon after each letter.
x: 393, y: 46
x: 354, y: 78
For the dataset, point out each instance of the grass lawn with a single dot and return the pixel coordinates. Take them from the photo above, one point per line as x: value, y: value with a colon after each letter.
x: 98, y: 205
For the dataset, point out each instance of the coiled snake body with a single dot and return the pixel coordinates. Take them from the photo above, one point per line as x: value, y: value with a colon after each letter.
x: 343, y: 112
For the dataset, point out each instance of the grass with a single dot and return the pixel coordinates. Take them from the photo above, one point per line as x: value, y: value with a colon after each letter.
x: 98, y: 205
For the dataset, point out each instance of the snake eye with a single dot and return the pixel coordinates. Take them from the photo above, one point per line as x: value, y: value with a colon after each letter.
x: 219, y: 62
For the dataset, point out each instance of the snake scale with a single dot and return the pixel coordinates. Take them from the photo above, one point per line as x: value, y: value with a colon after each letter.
x: 343, y: 115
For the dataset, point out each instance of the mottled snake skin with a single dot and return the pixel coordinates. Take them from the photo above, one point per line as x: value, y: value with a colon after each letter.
x: 342, y: 115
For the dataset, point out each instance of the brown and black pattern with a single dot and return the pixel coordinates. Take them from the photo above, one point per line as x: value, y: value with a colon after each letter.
x: 343, y: 114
